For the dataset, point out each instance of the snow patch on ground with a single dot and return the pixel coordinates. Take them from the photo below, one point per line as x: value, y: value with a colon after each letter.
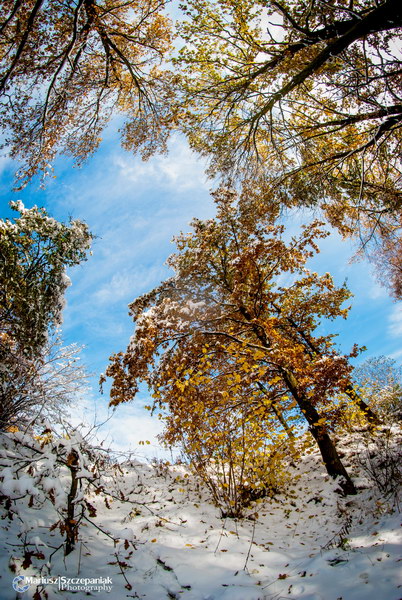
x: 310, y: 544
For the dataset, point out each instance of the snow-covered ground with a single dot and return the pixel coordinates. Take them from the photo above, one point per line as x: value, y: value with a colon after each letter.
x: 311, y: 544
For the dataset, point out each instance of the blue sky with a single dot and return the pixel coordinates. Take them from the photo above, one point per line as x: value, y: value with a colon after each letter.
x: 135, y: 208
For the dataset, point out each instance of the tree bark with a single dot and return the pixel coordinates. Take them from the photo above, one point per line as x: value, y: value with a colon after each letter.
x: 70, y: 523
x: 387, y: 15
x: 371, y: 417
x: 330, y: 456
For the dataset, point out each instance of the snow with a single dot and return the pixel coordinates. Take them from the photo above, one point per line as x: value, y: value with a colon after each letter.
x: 172, y: 543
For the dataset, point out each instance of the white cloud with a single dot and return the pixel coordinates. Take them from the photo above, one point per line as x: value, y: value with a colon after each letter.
x: 123, y: 429
x: 377, y: 291
x: 180, y: 168
x: 395, y: 321
x: 122, y: 284
x: 396, y: 355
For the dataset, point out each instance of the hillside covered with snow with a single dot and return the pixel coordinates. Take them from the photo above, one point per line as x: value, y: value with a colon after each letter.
x: 150, y: 531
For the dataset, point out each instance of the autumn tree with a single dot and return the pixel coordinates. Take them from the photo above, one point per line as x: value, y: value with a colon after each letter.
x: 304, y: 95
x: 67, y: 67
x: 241, y: 291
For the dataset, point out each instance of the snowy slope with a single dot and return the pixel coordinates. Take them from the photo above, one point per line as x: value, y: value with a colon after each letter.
x: 172, y: 543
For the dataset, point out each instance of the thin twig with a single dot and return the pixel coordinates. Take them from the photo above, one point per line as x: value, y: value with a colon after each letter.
x: 249, y: 550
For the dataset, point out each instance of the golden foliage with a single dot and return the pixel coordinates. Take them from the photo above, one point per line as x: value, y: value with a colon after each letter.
x: 231, y: 337
x: 67, y: 67
x: 305, y: 95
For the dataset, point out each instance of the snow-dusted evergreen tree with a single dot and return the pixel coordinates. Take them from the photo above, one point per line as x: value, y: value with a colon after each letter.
x: 35, y: 250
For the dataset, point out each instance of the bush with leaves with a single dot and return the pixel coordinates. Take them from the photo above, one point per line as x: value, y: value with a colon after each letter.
x: 231, y: 430
x: 239, y: 458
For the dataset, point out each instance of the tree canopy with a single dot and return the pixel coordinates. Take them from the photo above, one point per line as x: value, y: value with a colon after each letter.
x: 67, y: 67
x: 306, y: 94
x: 304, y: 97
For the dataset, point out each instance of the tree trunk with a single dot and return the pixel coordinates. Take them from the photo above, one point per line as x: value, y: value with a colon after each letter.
x: 371, y: 417
x: 277, y: 412
x: 330, y: 456
x: 283, y: 422
x: 70, y: 523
